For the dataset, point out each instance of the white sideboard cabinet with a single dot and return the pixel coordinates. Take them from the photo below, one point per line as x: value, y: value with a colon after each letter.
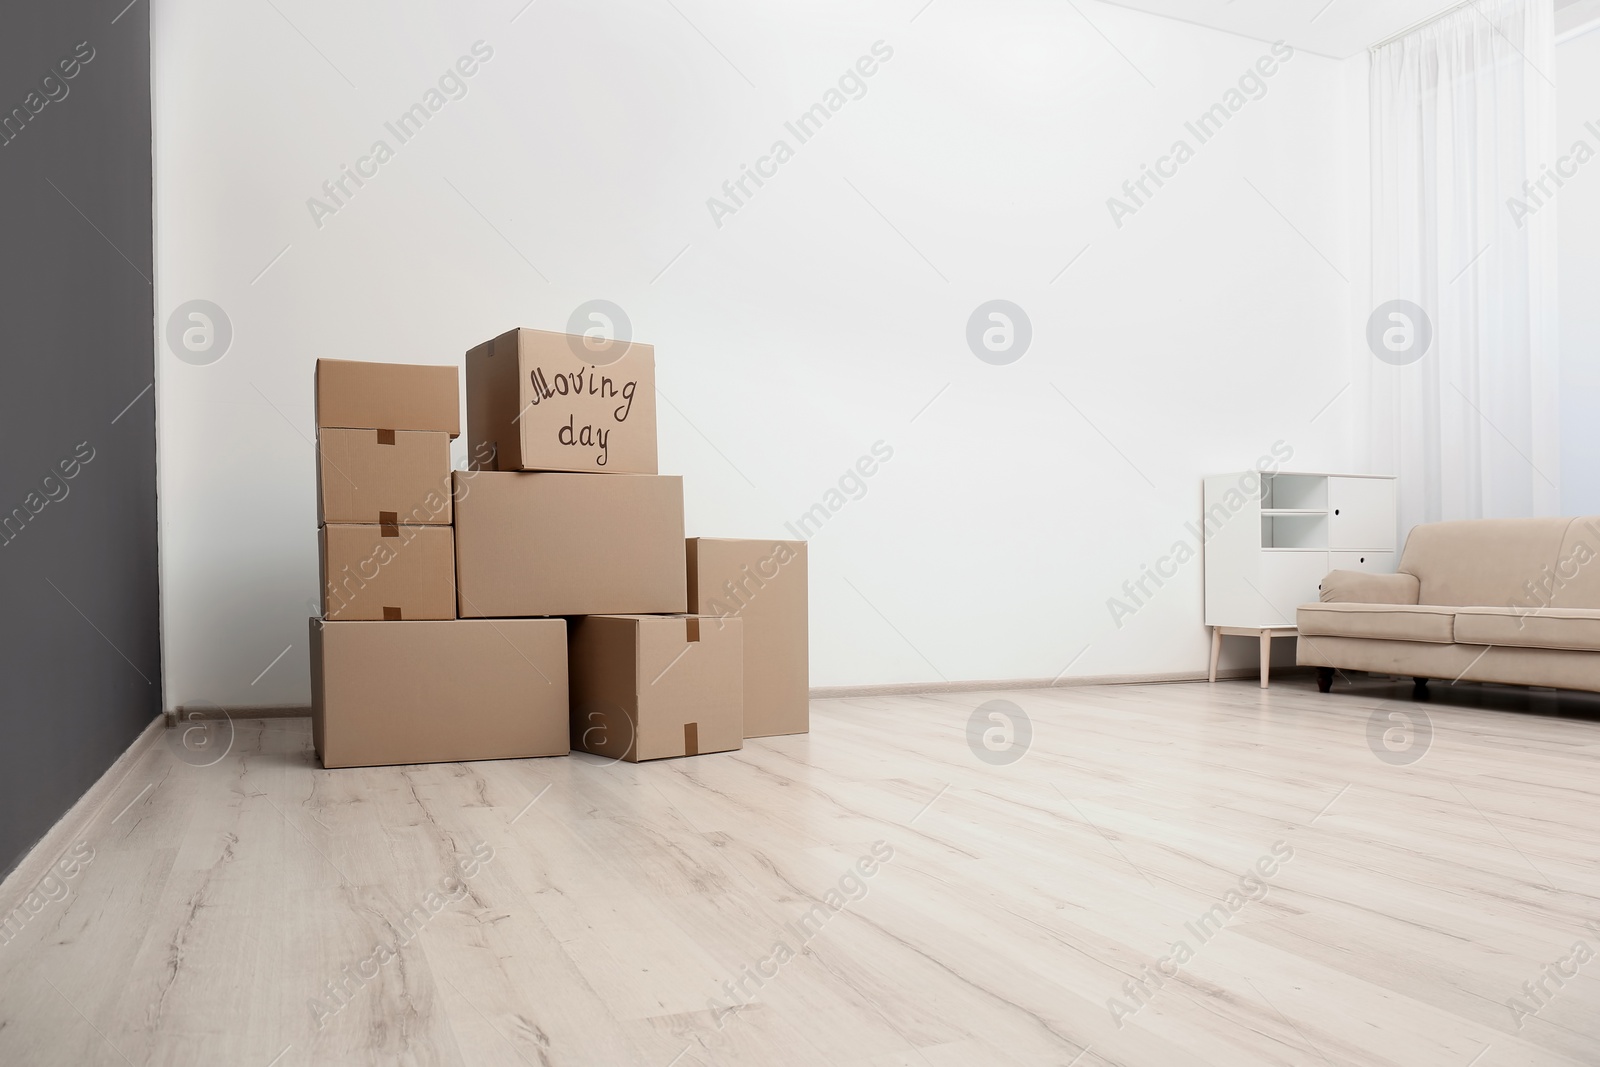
x: 1271, y: 537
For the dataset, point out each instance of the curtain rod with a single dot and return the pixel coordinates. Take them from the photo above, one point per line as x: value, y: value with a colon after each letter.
x: 1414, y: 27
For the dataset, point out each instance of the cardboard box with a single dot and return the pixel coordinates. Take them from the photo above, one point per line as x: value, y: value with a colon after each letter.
x: 552, y: 402
x: 383, y: 476
x: 388, y: 396
x: 438, y: 692
x: 763, y: 583
x: 388, y: 572
x: 651, y: 686
x: 568, y: 544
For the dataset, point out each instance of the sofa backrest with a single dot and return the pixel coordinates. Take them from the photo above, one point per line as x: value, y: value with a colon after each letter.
x: 1487, y: 562
x: 1574, y: 579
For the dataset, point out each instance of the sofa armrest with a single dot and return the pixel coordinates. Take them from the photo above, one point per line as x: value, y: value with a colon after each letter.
x: 1359, y: 587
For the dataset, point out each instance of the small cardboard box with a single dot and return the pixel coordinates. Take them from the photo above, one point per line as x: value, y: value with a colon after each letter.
x: 568, y: 544
x: 438, y: 692
x: 387, y: 476
x: 388, y: 572
x: 651, y: 686
x: 560, y: 402
x: 388, y: 396
x: 763, y: 583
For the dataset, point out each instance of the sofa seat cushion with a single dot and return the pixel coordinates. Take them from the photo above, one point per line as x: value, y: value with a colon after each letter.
x: 1384, y: 622
x: 1577, y: 629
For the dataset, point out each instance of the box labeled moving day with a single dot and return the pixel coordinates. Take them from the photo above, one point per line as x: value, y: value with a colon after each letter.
x: 560, y: 402
x: 388, y: 396
x: 568, y: 544
x: 388, y: 572
x: 387, y: 476
x: 648, y: 687
x: 438, y: 692
x: 764, y: 584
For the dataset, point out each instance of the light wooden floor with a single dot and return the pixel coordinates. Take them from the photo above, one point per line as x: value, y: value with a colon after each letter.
x: 1018, y: 901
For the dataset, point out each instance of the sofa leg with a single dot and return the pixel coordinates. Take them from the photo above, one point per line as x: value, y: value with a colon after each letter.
x: 1324, y: 679
x: 1419, y: 689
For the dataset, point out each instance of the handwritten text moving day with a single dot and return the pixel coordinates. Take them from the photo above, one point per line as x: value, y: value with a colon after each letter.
x: 580, y: 383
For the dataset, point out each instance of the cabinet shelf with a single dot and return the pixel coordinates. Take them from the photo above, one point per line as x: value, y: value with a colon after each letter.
x: 1272, y: 536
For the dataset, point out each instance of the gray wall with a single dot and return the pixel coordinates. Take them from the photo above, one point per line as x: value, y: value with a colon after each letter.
x: 79, y: 642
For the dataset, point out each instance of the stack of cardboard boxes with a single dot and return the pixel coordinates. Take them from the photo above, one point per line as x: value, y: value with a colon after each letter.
x: 396, y: 677
x: 563, y: 603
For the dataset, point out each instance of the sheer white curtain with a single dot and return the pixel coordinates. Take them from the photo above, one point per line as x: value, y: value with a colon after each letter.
x: 1463, y: 115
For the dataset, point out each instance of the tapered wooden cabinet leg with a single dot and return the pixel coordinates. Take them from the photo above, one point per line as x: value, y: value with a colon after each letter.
x: 1266, y: 655
x: 1216, y: 651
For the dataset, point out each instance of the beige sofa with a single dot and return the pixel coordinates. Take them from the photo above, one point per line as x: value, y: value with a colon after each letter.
x: 1485, y: 600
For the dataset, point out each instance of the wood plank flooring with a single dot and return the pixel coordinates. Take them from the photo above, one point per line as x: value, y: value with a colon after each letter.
x: 264, y: 912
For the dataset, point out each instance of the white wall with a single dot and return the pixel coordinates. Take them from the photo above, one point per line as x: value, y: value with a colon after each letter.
x: 1212, y: 324
x: 1578, y: 218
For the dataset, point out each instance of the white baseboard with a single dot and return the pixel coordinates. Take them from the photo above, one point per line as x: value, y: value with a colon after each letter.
x: 826, y: 692
x: 254, y: 711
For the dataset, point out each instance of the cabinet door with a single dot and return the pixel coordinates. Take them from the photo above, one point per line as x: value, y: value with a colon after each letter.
x: 1362, y: 514
x: 1289, y: 579
x: 1369, y: 562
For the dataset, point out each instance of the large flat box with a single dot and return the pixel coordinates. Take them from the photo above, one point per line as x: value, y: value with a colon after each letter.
x: 649, y: 687
x: 556, y: 402
x: 388, y: 476
x: 568, y: 544
x: 388, y: 572
x: 388, y: 396
x: 763, y: 583
x: 438, y: 692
